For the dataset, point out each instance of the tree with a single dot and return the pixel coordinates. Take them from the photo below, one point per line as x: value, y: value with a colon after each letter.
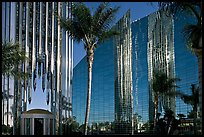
x: 161, y: 84
x: 168, y: 125
x: 6, y: 129
x: 70, y: 126
x: 12, y: 56
x: 192, y: 32
x: 192, y: 99
x: 91, y: 30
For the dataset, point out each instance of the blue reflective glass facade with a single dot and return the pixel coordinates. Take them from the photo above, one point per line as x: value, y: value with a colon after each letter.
x: 140, y: 69
x: 102, y: 96
x: 184, y: 64
x: 111, y: 97
x: 175, y: 60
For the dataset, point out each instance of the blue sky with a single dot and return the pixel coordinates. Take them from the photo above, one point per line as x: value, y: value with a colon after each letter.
x: 138, y: 10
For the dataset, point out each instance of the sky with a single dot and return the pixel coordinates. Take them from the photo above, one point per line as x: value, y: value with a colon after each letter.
x: 138, y: 10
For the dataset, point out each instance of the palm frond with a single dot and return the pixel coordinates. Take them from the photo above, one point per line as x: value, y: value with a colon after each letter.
x: 172, y: 8
x: 104, y: 21
x: 161, y: 84
x: 171, y: 83
x: 99, y: 11
x: 73, y: 28
x: 188, y: 99
x: 192, y: 34
x: 87, y: 28
x: 79, y: 23
x: 82, y: 16
x: 12, y: 56
x: 107, y: 34
x: 97, y: 15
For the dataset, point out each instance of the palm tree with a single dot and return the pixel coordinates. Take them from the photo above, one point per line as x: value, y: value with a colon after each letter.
x: 192, y: 32
x: 11, y: 58
x: 91, y: 30
x: 161, y: 84
x: 192, y: 100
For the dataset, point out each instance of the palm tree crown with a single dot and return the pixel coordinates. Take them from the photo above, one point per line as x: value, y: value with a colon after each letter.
x: 11, y: 58
x: 90, y: 29
x: 161, y: 85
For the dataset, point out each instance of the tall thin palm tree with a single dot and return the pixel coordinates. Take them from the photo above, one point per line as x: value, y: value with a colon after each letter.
x: 192, y: 32
x: 12, y: 57
x: 161, y: 85
x: 91, y: 30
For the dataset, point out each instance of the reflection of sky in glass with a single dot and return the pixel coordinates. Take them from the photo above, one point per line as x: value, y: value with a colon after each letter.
x: 139, y: 68
x: 81, y: 69
x: 185, y: 66
x: 186, y: 62
x: 102, y: 96
x: 102, y: 105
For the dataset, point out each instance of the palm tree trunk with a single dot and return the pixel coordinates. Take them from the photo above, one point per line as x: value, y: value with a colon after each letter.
x: 88, y: 100
x: 155, y: 110
x: 7, y: 100
x: 3, y: 96
x: 200, y: 89
x: 195, y: 118
x: 198, y: 53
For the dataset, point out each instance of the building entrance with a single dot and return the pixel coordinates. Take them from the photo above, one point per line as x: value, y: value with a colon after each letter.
x: 37, y: 122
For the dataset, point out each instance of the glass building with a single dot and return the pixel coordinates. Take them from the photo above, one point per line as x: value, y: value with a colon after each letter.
x: 160, y: 56
x: 156, y: 43
x: 111, y: 97
x: 153, y: 50
x: 123, y: 76
x: 36, y: 28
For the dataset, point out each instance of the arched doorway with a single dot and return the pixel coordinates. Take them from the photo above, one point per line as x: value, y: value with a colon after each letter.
x: 37, y: 122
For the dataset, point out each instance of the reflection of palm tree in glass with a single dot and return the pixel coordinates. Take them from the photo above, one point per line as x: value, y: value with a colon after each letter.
x: 38, y: 126
x: 161, y: 85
